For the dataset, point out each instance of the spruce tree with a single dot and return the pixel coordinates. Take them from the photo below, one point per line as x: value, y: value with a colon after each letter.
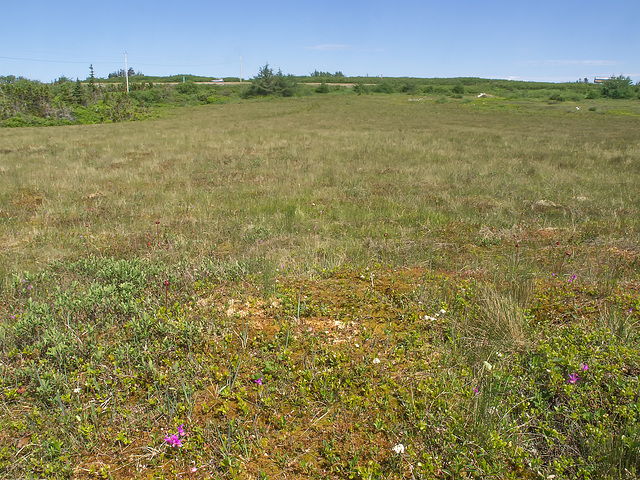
x: 78, y: 93
x: 92, y: 79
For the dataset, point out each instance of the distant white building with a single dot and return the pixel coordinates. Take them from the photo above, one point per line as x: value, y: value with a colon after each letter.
x: 601, y: 79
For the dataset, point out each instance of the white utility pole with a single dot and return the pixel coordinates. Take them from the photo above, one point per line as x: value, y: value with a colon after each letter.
x: 241, y: 68
x: 126, y: 70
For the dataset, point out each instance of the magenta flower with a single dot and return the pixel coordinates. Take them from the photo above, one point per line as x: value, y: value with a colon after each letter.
x: 475, y: 390
x: 173, y: 440
x: 573, y: 378
x: 259, y: 381
x: 584, y: 367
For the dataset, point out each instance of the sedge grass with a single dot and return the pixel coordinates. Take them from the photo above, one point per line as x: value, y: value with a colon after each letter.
x: 304, y: 172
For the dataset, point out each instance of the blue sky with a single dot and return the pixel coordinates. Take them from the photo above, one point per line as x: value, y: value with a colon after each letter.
x: 559, y: 41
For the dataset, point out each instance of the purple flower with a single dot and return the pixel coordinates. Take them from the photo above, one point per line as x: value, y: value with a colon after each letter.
x: 259, y: 381
x: 584, y: 367
x: 573, y: 378
x: 475, y: 390
x: 173, y: 440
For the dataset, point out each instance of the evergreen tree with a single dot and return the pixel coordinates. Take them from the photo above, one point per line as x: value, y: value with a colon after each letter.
x: 92, y: 79
x: 269, y: 83
x: 78, y: 92
x: 322, y: 88
x: 617, y: 87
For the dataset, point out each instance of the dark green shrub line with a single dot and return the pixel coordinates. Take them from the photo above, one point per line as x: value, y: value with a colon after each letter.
x: 30, y: 103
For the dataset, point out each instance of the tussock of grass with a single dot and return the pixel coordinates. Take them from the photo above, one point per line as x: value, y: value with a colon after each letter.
x: 339, y: 287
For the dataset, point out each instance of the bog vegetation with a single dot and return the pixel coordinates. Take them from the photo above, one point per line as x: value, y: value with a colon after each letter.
x: 324, y: 286
x: 30, y: 103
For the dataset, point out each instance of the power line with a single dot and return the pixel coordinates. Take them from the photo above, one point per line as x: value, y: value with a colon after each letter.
x: 116, y: 63
x: 55, y: 61
x: 183, y: 65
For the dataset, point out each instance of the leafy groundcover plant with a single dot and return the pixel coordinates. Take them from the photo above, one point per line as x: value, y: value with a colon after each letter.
x: 381, y: 373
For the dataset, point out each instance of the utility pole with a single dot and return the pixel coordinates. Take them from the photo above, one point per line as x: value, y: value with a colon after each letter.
x: 126, y: 70
x: 240, y: 68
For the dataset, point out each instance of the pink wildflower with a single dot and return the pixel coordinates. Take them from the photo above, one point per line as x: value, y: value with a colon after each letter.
x: 173, y: 440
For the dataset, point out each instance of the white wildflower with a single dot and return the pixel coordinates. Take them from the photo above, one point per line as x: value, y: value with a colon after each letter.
x: 399, y: 448
x: 376, y: 361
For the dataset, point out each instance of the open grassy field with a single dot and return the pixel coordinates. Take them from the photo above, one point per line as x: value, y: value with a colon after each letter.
x: 334, y: 286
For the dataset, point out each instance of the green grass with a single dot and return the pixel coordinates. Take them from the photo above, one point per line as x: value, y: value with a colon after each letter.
x: 395, y: 272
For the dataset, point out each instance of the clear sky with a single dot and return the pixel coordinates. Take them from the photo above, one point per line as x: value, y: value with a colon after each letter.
x: 558, y: 41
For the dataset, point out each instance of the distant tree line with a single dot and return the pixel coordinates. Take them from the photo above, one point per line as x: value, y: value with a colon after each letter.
x: 26, y: 102
x: 122, y: 73
x: 65, y: 101
x: 317, y: 73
